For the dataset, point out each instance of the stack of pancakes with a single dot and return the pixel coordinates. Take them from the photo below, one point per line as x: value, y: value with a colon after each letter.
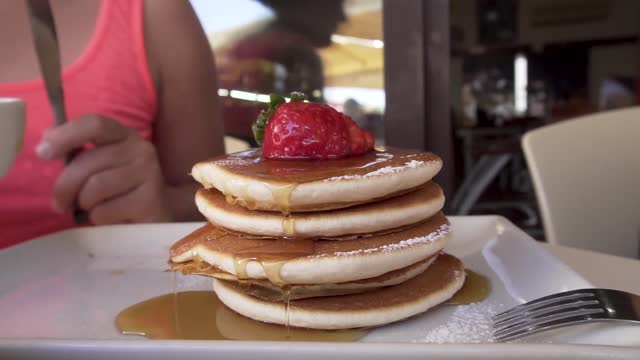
x: 333, y: 244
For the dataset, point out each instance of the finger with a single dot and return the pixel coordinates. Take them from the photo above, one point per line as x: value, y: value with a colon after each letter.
x: 118, y: 210
x: 109, y: 184
x: 75, y: 175
x: 133, y: 206
x: 57, y: 142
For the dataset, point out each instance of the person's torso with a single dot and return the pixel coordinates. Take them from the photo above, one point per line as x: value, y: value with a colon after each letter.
x: 108, y: 75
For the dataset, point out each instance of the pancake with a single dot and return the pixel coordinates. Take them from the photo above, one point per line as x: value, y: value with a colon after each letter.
x: 302, y: 185
x: 313, y: 262
x: 268, y: 291
x: 373, y: 308
x: 391, y: 213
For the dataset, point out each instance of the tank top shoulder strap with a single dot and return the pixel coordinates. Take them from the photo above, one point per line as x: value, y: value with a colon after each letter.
x: 118, y: 49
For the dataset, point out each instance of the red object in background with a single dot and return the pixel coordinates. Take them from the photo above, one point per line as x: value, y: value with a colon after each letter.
x: 269, y: 61
x: 238, y: 116
x: 313, y: 131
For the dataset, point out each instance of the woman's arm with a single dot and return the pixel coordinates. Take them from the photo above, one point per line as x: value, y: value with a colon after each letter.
x: 124, y: 178
x: 189, y: 127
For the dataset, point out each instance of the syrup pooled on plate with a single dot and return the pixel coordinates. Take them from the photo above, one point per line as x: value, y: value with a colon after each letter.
x: 475, y: 289
x: 199, y: 315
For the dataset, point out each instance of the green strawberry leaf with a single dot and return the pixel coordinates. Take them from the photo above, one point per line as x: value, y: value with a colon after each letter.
x: 298, y: 96
x: 258, y: 126
x: 275, y: 100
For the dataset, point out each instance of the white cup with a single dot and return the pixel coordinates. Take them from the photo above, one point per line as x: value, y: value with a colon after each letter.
x: 12, y: 123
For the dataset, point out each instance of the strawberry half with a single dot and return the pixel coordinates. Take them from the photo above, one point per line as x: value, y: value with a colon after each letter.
x: 302, y: 130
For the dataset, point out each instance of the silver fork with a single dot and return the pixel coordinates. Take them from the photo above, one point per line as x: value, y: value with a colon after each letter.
x: 564, y: 309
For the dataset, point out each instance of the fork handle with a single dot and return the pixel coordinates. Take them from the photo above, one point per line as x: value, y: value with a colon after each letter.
x: 624, y: 305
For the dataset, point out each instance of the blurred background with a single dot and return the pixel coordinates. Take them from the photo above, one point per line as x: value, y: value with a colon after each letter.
x: 463, y: 78
x: 330, y: 50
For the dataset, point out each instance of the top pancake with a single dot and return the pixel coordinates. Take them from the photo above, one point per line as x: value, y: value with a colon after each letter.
x: 308, y: 185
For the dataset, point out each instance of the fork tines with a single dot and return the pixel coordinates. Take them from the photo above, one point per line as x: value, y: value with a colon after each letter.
x: 546, y: 313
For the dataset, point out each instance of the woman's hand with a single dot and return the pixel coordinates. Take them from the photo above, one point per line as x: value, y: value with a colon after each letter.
x: 117, y: 180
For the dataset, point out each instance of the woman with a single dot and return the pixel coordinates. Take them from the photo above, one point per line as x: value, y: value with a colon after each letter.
x: 140, y: 91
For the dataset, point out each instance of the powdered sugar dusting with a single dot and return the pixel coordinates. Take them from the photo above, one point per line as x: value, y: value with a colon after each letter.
x: 382, y: 171
x: 468, y: 324
x: 442, y: 231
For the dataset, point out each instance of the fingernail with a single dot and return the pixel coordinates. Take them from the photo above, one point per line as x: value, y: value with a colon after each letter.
x: 44, y: 150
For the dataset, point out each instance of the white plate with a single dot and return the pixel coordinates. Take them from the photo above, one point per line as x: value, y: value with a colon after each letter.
x: 59, y: 296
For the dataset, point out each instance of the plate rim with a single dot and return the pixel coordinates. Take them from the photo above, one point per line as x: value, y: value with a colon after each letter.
x: 282, y: 350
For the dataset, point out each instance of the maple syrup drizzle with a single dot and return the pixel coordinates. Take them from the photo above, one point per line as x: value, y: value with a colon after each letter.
x: 250, y: 204
x: 230, y: 199
x: 200, y: 315
x: 286, y: 294
x: 240, y: 264
x: 176, y: 305
x: 282, y: 196
x: 289, y: 226
x: 272, y: 269
x: 475, y: 289
x: 197, y: 261
x: 253, y: 164
x: 272, y: 255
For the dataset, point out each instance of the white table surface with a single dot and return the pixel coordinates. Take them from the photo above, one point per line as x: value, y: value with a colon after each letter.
x: 602, y: 270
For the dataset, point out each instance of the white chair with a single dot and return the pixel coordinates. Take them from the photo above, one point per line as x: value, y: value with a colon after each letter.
x: 586, y: 173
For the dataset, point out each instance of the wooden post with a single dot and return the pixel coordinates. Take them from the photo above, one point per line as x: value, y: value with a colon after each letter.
x: 417, y: 55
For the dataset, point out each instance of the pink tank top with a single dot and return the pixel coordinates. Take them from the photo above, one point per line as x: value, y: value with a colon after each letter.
x: 110, y: 78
